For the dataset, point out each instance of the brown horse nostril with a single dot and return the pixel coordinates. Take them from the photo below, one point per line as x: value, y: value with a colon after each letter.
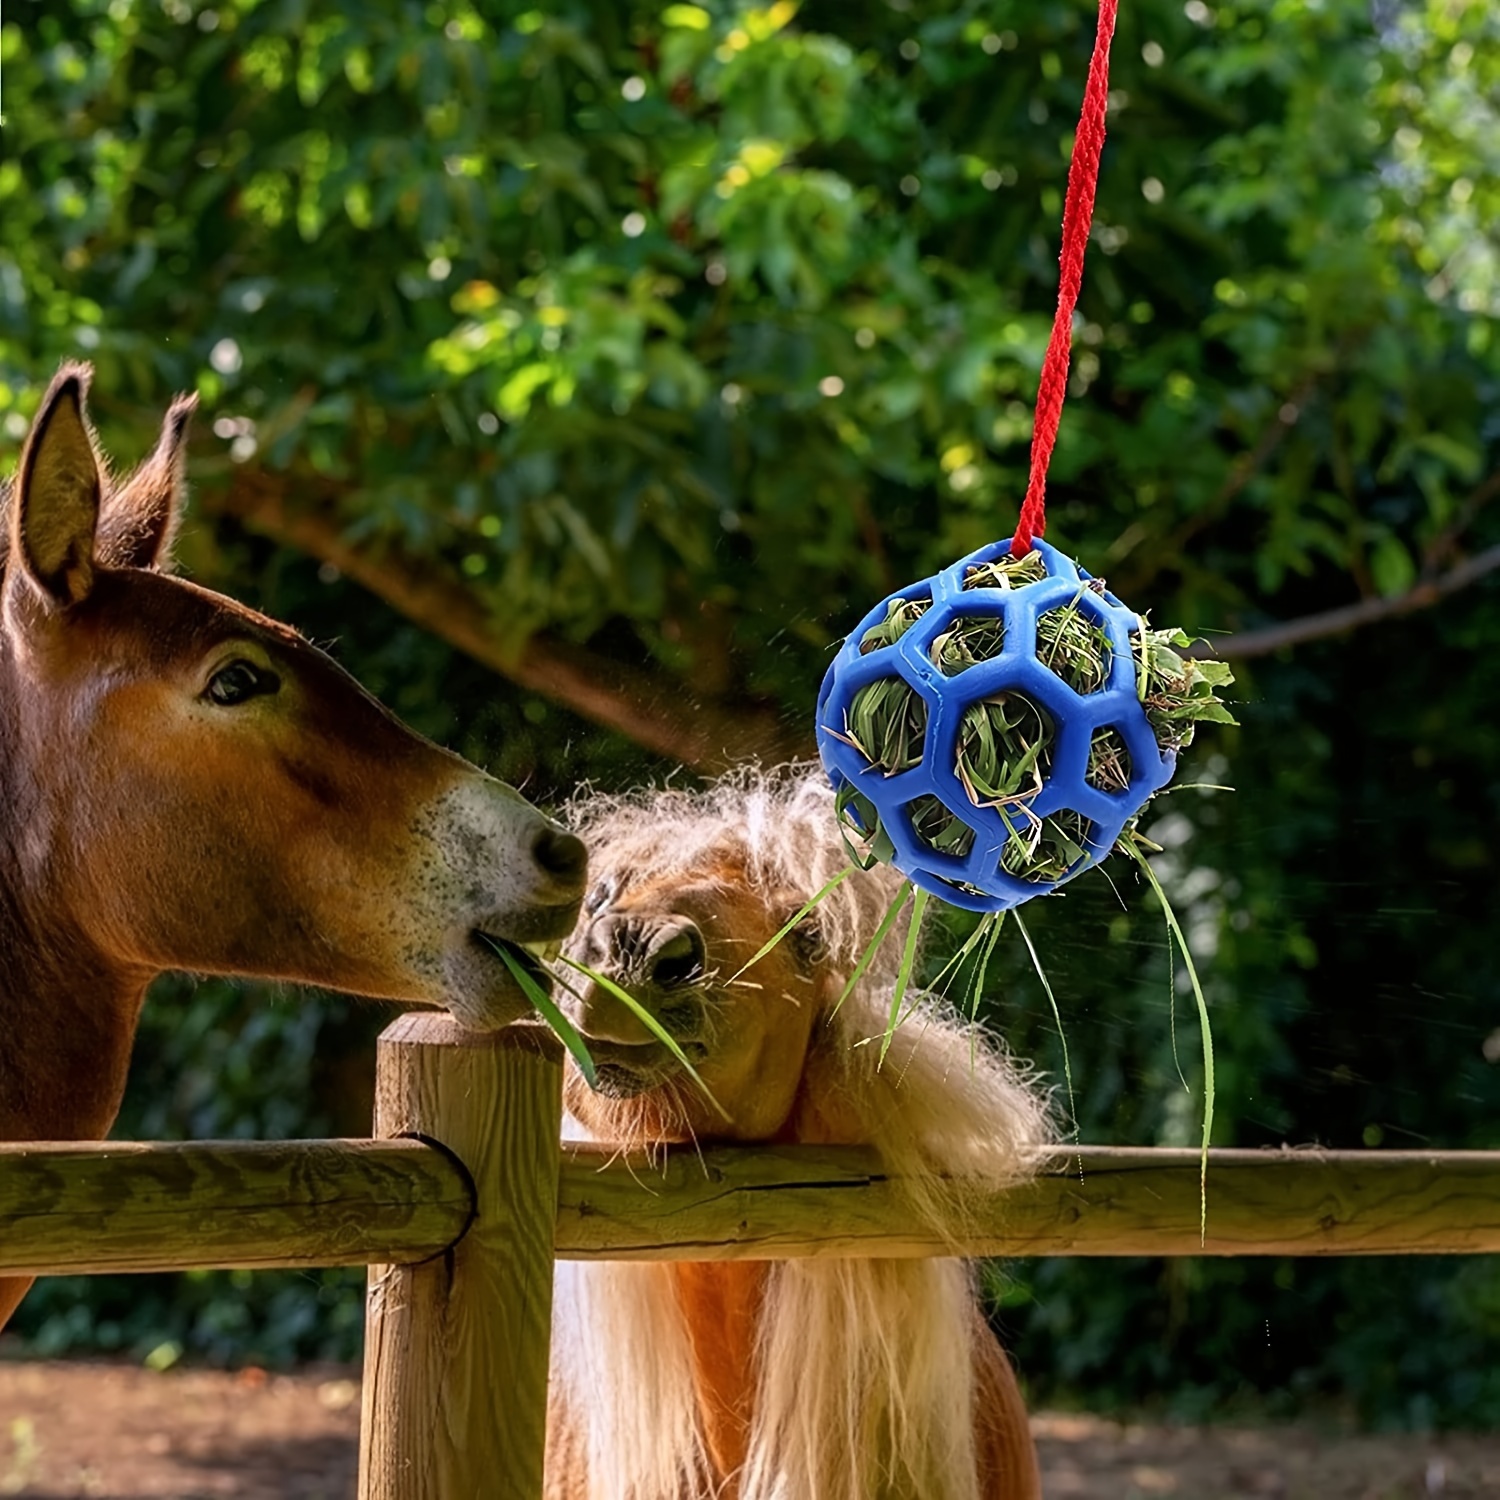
x: 560, y: 854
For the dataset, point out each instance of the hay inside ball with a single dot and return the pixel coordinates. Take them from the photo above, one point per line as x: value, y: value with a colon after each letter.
x: 993, y: 730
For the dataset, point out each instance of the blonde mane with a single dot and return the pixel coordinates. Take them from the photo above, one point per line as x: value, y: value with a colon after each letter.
x: 863, y: 1392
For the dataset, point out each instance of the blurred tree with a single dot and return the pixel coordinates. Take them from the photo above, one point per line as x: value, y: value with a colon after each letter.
x: 632, y: 351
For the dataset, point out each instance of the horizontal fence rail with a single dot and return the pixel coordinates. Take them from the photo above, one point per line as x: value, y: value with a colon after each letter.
x: 192, y: 1205
x: 767, y: 1202
x: 92, y: 1208
x: 461, y: 1255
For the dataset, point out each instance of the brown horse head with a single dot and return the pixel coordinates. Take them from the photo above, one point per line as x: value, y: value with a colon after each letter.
x: 191, y: 785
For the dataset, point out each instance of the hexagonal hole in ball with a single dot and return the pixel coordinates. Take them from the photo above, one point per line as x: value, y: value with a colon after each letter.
x: 1071, y: 641
x: 938, y: 829
x: 900, y: 616
x: 969, y: 640
x: 1109, y: 765
x: 1043, y: 850
x: 1004, y: 749
x: 1006, y: 572
x: 887, y: 724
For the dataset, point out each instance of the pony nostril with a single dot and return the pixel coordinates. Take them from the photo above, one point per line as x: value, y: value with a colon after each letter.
x: 679, y: 960
x: 560, y: 854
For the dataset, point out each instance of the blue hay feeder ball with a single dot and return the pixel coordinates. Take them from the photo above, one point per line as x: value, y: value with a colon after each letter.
x: 975, y: 879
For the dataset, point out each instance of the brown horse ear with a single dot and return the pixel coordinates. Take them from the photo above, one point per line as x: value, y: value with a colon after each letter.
x: 140, y: 518
x: 55, y: 500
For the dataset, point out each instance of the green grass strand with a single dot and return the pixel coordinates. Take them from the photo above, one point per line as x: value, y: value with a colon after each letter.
x: 1041, y: 973
x: 903, y: 974
x: 1207, y: 1033
x: 805, y: 910
x: 651, y: 1024
x: 547, y: 1008
x: 886, y: 923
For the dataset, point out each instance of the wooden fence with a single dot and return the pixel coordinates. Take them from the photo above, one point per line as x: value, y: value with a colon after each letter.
x: 465, y: 1199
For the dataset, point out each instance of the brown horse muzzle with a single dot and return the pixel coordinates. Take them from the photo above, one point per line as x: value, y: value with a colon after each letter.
x: 495, y: 868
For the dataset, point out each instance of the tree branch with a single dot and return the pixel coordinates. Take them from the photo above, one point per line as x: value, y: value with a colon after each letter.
x: 1352, y: 616
x: 662, y: 715
x: 1445, y: 543
x: 1245, y: 467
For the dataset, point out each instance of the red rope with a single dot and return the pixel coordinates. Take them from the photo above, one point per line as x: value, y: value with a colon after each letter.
x: 1078, y: 211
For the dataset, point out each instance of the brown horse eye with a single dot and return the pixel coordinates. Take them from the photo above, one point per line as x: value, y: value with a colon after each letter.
x: 240, y: 681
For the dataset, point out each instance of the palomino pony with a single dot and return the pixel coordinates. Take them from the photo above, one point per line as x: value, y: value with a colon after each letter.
x: 190, y: 785
x: 805, y: 1379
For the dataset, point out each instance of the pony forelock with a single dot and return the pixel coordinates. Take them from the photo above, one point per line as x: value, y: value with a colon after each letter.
x: 779, y: 822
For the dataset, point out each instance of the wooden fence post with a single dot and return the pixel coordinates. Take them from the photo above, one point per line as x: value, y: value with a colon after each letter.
x: 456, y: 1348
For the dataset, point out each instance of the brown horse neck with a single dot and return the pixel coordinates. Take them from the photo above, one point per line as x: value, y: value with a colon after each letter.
x: 68, y: 1014
x: 69, y: 1021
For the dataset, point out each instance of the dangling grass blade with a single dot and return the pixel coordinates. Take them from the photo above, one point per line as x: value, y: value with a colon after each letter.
x: 651, y: 1024
x: 974, y: 939
x: 986, y: 932
x: 903, y: 974
x: 1036, y: 963
x: 822, y: 895
x: 547, y: 1008
x: 886, y: 923
x: 1208, y: 1040
x: 995, y: 921
x: 1172, y: 1008
x: 990, y: 924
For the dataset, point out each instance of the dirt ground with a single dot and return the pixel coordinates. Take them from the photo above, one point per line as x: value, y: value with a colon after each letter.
x: 114, y: 1432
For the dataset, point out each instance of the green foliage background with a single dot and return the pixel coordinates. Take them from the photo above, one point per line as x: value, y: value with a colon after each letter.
x: 679, y: 335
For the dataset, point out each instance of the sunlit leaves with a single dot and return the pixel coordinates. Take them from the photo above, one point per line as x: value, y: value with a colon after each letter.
x: 755, y: 275
x: 588, y: 328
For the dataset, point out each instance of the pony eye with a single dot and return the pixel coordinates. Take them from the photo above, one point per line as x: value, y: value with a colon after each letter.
x: 807, y: 943
x: 240, y: 681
